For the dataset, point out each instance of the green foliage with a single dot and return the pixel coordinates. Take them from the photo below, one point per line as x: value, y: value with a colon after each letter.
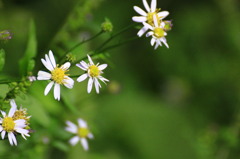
x: 2, y: 59
x: 27, y: 63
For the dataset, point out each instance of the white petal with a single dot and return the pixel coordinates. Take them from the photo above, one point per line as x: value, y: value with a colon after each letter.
x: 156, y: 46
x: 3, y: 134
x: 47, y: 65
x: 82, y: 123
x: 102, y: 67
x: 68, y: 82
x: 73, y: 141
x: 140, y: 11
x: 10, y: 138
x: 12, y: 111
x: 90, y: 83
x: 52, y: 59
x: 57, y: 91
x: 147, y: 26
x: 165, y: 42
x: 82, y: 66
x: 82, y: 77
x: 49, y: 62
x: 20, y: 123
x: 153, y: 5
x: 142, y: 31
x: 1, y: 128
x: 90, y: 136
x: 96, y: 85
x: 146, y: 5
x: 139, y: 19
x: 155, y: 20
x: 103, y: 79
x: 84, y: 143
x: 13, y: 103
x: 3, y: 113
x: 153, y: 41
x: 42, y: 75
x: 48, y: 88
x: 90, y: 60
x: 150, y: 33
x: 13, y: 138
x: 22, y: 131
x: 66, y: 65
x: 163, y: 14
x: 71, y: 127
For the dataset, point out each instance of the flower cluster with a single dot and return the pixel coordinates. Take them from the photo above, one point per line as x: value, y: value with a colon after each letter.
x: 14, y: 123
x: 152, y: 20
x: 58, y: 74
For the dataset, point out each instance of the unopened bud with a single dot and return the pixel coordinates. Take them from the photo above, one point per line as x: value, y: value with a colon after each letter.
x: 107, y: 25
x: 168, y: 25
x: 5, y: 35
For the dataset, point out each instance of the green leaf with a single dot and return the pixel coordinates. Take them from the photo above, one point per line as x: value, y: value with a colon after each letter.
x: 27, y: 63
x: 2, y: 59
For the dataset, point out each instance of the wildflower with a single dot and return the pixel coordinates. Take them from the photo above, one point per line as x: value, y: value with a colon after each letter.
x: 93, y: 72
x: 157, y: 32
x: 32, y: 78
x: 5, y: 35
x: 81, y: 131
x: 11, y: 125
x: 148, y: 16
x: 57, y: 75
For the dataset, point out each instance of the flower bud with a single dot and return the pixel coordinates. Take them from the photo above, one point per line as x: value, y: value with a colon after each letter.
x: 168, y: 25
x: 5, y: 35
x: 107, y: 25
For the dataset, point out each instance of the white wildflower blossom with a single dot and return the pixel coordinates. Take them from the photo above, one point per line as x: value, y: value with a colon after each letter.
x: 81, y: 131
x: 157, y: 32
x: 147, y: 16
x: 57, y: 75
x: 11, y: 126
x: 93, y: 72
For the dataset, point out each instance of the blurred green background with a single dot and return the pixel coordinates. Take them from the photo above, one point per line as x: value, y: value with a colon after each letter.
x: 176, y: 103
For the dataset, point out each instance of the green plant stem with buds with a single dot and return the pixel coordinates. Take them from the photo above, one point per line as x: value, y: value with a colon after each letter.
x: 82, y: 42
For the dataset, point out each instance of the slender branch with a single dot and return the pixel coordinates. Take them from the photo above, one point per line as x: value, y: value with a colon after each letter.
x: 82, y: 42
x: 114, y: 35
x: 7, y: 81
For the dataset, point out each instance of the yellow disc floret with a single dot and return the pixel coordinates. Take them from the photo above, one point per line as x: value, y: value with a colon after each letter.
x: 8, y: 124
x: 58, y: 75
x: 150, y: 16
x: 20, y: 114
x: 158, y: 32
x: 94, y: 71
x: 83, y: 132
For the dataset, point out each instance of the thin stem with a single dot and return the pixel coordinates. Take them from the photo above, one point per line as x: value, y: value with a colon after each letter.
x: 114, y: 35
x: 82, y: 42
x: 8, y: 81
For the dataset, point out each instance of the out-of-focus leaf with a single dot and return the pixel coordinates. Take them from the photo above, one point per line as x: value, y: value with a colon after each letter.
x: 2, y: 59
x: 27, y: 63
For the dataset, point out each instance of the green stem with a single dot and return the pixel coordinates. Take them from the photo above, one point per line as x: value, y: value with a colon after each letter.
x: 82, y: 42
x: 8, y: 81
x: 113, y: 36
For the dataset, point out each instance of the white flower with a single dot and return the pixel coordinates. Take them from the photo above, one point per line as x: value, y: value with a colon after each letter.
x: 81, y: 131
x: 57, y: 75
x: 93, y: 72
x: 157, y: 32
x: 11, y: 126
x: 148, y: 16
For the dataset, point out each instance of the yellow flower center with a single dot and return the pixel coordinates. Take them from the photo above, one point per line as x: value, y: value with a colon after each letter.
x: 158, y: 32
x: 20, y: 114
x: 93, y: 71
x: 8, y: 124
x: 150, y: 16
x: 83, y: 132
x: 58, y: 75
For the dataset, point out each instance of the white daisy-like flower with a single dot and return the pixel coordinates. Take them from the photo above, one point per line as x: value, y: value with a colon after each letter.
x: 81, y: 131
x: 157, y: 32
x: 11, y: 126
x: 93, y: 72
x: 147, y: 17
x: 57, y: 75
